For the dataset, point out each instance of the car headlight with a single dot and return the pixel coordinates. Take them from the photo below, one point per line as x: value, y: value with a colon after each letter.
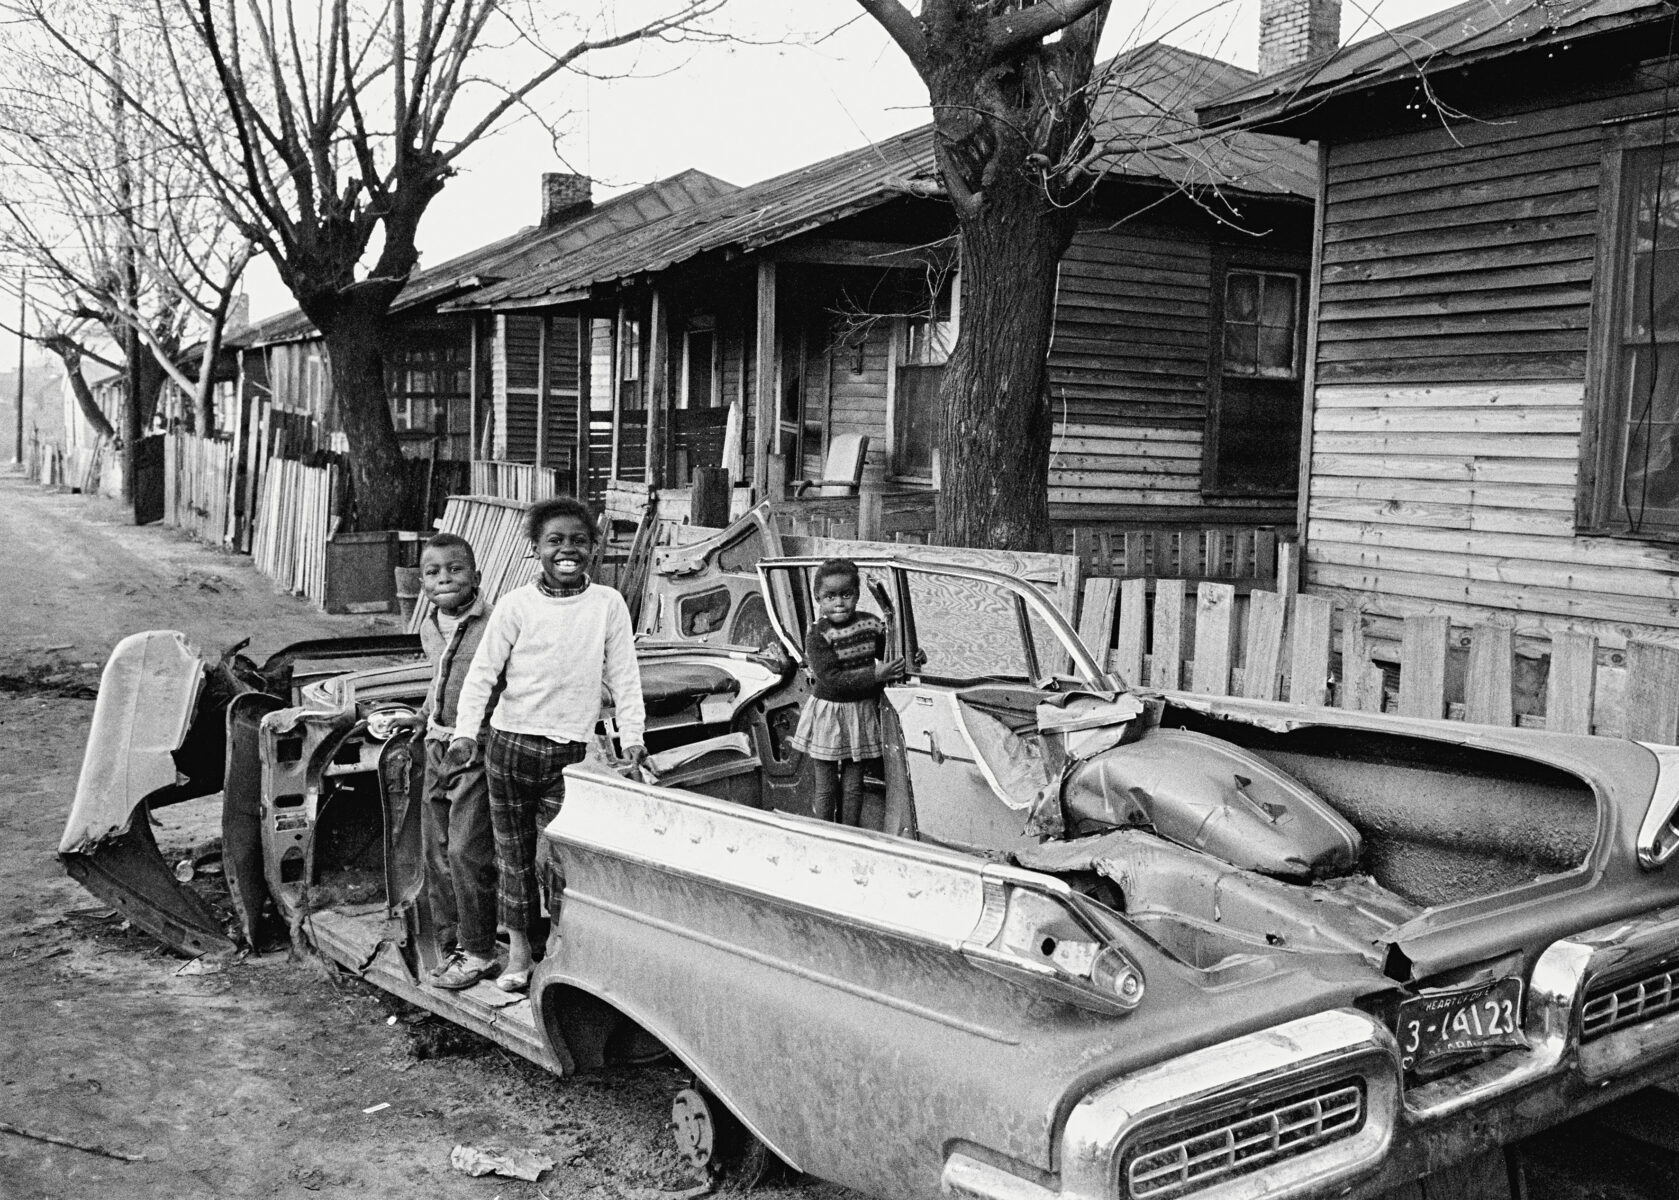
x: 386, y: 720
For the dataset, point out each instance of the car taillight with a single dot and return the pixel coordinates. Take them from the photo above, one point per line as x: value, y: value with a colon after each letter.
x: 1034, y: 932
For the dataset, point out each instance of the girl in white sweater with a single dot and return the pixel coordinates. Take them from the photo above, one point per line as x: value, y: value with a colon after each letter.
x: 555, y: 641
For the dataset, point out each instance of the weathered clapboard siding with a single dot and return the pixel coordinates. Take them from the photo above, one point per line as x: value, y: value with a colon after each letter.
x: 857, y: 399
x: 1465, y: 254
x: 1453, y: 324
x: 1131, y: 330
x: 1128, y: 371
x: 1470, y: 508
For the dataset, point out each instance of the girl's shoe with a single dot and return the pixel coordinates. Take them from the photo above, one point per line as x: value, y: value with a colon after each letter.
x: 514, y: 981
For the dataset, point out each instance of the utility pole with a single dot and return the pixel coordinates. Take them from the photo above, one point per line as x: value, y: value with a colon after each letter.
x: 130, y: 281
x: 22, y: 308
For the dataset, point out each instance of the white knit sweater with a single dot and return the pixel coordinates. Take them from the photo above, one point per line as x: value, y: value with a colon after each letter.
x: 556, y: 652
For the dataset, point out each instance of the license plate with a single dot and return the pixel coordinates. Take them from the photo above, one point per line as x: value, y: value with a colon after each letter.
x: 1464, y: 1019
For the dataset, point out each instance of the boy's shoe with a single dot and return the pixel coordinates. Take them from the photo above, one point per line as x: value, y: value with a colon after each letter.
x: 460, y: 973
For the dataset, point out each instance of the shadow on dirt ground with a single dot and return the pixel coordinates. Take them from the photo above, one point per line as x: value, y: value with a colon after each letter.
x: 274, y: 1077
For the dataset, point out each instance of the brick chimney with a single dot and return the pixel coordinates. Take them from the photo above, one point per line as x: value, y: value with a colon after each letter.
x: 565, y: 195
x: 1293, y: 31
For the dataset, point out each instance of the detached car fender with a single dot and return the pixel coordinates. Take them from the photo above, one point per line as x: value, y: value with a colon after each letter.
x: 151, y: 744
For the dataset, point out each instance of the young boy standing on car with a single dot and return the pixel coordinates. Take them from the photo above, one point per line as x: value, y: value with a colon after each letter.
x: 460, y: 853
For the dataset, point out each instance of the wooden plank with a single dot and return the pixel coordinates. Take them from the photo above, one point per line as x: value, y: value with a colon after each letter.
x: 1309, y: 641
x: 1166, y: 663
x: 1436, y: 468
x: 1422, y: 667
x: 1481, y: 518
x: 1129, y: 639
x: 1097, y: 613
x: 1446, y: 562
x: 767, y: 390
x: 1572, y: 685
x: 1215, y: 638
x: 1502, y: 421
x: 1421, y: 491
x: 1362, y: 684
x: 1488, y: 689
x: 1266, y: 624
x: 1288, y: 567
x: 1455, y: 445
x: 1652, y: 693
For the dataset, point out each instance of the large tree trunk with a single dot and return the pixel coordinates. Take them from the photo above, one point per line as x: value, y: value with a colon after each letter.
x: 995, y: 438
x: 1008, y: 120
x: 354, y: 343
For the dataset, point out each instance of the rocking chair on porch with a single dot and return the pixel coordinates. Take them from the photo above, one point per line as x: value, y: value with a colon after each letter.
x: 843, y: 468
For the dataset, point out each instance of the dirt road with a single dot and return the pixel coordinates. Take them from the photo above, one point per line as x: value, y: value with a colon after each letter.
x: 252, y: 1081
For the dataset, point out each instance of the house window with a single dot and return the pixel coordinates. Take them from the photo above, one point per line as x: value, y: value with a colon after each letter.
x: 924, y: 342
x: 1252, y: 445
x: 1636, y: 440
x: 429, y: 386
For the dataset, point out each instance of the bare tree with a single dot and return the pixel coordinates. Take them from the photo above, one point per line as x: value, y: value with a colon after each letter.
x: 1009, y: 84
x: 133, y: 255
x: 345, y: 119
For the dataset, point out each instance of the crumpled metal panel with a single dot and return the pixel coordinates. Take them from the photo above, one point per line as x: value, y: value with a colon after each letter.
x: 147, y: 697
x: 1216, y: 797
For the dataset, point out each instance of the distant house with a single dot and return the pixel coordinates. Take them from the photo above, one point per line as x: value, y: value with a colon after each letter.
x: 473, y: 386
x: 823, y: 302
x: 1493, y: 418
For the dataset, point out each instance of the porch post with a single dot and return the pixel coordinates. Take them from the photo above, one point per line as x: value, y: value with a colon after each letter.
x: 765, y: 409
x: 658, y: 388
x: 585, y: 403
x: 617, y: 374
x: 544, y: 333
x: 474, y: 368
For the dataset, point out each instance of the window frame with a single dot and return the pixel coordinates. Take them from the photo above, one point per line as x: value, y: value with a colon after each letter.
x: 1226, y: 261
x: 1597, y: 488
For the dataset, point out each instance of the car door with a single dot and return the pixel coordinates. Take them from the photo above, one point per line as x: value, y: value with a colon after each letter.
x: 980, y: 651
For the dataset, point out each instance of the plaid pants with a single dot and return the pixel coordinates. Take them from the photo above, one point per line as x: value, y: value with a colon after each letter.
x: 526, y: 789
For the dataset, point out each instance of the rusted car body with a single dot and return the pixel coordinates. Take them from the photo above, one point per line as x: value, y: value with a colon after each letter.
x: 1095, y: 942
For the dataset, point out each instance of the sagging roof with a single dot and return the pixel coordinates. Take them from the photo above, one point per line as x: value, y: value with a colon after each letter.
x: 529, y: 249
x: 1468, y: 33
x: 1145, y: 118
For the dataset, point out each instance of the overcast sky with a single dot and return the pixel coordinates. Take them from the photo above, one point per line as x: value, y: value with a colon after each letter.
x: 748, y: 112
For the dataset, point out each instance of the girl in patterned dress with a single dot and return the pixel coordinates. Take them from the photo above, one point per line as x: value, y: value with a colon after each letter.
x: 840, y: 725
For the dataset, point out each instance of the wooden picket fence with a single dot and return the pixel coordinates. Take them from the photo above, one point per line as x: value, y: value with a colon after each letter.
x: 1247, y: 555
x: 46, y: 463
x: 293, y: 523
x: 522, y: 482
x: 1210, y: 639
x: 198, y: 481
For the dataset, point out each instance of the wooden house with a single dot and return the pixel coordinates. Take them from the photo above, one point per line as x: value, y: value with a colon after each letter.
x: 1492, y: 413
x: 823, y: 302
x: 467, y: 385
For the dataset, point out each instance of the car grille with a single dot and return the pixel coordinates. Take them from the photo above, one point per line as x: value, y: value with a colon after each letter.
x: 1615, y: 1007
x: 1187, y: 1158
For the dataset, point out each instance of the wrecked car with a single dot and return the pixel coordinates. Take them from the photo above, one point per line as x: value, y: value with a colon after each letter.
x: 1092, y: 941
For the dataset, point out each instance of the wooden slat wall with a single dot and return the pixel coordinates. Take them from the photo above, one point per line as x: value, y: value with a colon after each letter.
x: 1128, y: 375
x: 857, y: 399
x: 1456, y: 295
x: 1131, y: 329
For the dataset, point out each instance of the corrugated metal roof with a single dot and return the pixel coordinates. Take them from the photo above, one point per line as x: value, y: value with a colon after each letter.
x: 1145, y: 116
x: 1466, y: 33
x: 529, y: 249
